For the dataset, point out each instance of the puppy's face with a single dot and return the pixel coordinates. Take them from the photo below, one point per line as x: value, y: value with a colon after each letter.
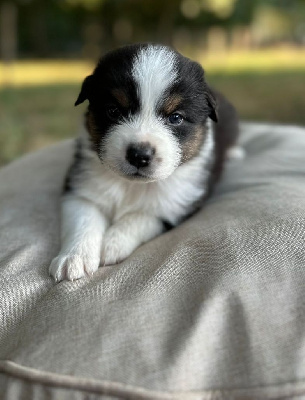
x: 148, y: 107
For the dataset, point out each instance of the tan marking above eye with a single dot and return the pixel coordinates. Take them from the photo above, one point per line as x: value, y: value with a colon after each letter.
x: 171, y: 103
x: 121, y: 97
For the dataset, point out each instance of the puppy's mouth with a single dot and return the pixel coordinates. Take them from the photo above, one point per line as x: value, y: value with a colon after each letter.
x: 131, y: 173
x: 139, y: 176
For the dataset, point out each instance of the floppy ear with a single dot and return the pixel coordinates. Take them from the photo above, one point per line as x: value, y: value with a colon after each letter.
x: 212, y: 103
x: 85, y: 90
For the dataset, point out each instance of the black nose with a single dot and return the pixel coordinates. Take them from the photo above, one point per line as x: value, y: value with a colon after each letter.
x: 140, y: 154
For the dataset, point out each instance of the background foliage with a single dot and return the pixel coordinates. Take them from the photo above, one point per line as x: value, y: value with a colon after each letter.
x: 252, y: 50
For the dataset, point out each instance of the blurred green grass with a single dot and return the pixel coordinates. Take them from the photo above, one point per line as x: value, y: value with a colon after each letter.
x: 34, y: 116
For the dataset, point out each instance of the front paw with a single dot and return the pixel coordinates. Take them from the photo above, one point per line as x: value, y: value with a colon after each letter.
x: 116, y: 247
x: 72, y: 266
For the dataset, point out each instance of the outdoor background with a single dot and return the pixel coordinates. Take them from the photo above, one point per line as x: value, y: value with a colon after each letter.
x: 252, y: 50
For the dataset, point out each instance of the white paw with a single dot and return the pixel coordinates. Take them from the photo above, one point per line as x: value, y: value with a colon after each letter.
x: 72, y: 266
x: 117, y: 247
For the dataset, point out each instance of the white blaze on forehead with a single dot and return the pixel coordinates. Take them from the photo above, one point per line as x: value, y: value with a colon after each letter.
x: 154, y: 70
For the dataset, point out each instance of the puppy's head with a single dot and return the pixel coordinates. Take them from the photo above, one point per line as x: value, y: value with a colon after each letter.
x: 148, y: 107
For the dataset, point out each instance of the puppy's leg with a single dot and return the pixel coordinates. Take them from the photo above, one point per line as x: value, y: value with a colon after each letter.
x: 82, y: 229
x: 125, y: 235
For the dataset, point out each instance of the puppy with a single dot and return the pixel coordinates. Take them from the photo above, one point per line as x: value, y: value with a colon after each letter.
x: 148, y: 158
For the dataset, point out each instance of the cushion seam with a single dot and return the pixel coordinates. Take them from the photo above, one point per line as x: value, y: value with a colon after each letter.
x: 124, y: 391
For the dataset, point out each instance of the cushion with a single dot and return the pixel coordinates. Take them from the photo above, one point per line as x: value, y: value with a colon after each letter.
x: 213, y: 309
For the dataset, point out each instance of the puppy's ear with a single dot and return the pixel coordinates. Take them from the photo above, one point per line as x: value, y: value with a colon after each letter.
x: 212, y: 103
x: 85, y: 90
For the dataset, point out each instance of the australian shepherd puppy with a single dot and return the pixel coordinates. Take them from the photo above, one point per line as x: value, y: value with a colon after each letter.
x: 149, y: 156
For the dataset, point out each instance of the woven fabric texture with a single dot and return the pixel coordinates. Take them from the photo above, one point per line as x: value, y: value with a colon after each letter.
x: 213, y: 309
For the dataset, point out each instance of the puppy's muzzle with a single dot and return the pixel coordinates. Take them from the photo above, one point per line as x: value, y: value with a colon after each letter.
x: 140, y: 154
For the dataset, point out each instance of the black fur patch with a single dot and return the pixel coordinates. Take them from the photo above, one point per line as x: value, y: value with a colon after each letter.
x: 113, y: 73
x: 76, y: 169
x: 226, y: 132
x: 167, y: 225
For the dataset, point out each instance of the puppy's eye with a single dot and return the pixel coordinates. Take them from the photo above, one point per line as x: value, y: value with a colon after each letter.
x: 113, y: 113
x: 175, y: 119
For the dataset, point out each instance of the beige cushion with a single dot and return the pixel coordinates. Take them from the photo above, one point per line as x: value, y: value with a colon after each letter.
x: 213, y: 309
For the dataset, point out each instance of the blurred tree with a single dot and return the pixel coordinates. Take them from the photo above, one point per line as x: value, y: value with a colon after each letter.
x: 57, y: 28
x: 89, y: 4
x: 8, y: 30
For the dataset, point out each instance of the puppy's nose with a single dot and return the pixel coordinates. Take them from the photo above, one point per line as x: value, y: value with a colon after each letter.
x: 140, y: 154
